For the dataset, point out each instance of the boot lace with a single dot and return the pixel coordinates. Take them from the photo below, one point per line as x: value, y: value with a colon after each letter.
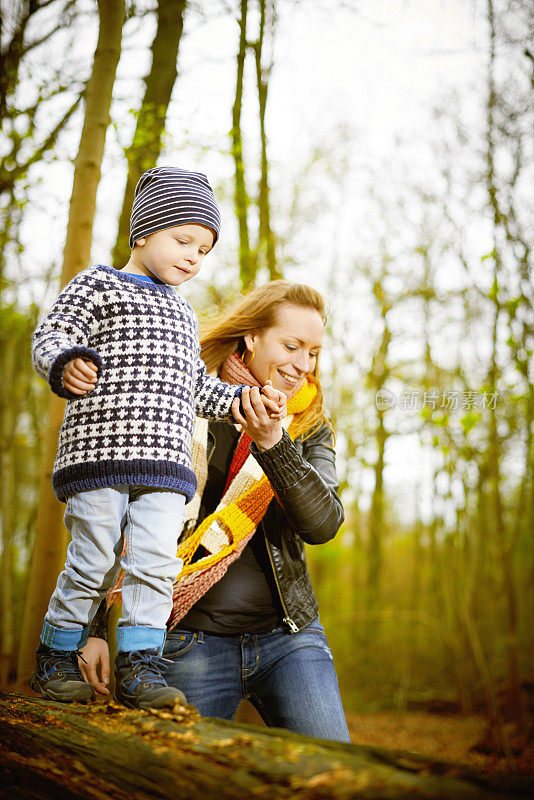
x: 61, y: 663
x: 149, y: 667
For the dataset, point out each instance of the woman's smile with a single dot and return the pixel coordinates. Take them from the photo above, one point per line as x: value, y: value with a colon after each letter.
x: 291, y: 379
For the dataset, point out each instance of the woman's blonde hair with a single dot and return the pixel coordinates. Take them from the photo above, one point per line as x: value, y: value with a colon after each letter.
x: 221, y: 337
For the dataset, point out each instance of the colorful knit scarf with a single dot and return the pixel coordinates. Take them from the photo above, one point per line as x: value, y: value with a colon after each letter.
x: 208, y: 550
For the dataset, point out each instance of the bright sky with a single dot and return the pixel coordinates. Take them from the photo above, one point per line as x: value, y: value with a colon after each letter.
x: 369, y: 73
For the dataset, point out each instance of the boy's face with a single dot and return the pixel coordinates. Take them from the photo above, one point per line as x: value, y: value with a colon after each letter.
x: 173, y: 255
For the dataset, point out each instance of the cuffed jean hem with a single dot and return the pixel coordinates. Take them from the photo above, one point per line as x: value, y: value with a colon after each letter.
x: 64, y: 638
x: 139, y: 637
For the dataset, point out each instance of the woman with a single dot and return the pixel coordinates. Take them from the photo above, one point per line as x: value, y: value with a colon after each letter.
x: 254, y: 631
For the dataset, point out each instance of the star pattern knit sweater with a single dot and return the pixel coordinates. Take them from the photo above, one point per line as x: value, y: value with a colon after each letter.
x: 135, y: 427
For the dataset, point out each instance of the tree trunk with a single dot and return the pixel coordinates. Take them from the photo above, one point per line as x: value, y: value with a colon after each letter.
x: 147, y: 142
x: 106, y: 751
x: 48, y: 552
x: 247, y: 270
x: 516, y: 700
x: 376, y: 519
x: 91, y: 150
x: 15, y: 388
x: 7, y: 630
x: 377, y: 378
x: 9, y: 405
x: 266, y: 242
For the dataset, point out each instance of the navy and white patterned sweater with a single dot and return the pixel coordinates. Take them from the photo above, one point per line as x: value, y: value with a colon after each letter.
x: 136, y: 426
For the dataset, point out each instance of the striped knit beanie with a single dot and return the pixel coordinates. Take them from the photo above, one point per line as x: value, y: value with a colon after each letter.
x: 169, y: 196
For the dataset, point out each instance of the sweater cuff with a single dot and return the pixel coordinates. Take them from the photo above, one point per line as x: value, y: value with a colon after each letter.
x: 230, y: 415
x: 282, y: 463
x: 55, y: 375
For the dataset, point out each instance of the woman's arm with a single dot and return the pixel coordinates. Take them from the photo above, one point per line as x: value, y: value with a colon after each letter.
x: 99, y: 625
x: 95, y: 664
x: 305, y: 484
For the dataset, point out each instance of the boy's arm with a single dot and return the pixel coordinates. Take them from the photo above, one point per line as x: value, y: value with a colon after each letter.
x: 213, y: 397
x: 64, y: 333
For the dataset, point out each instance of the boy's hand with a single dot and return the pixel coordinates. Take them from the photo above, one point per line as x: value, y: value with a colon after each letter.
x: 274, y: 401
x: 80, y: 376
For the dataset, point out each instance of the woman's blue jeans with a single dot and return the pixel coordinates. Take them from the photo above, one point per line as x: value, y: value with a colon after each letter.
x: 289, y: 678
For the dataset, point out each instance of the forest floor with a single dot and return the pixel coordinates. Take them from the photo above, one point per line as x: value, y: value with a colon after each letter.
x: 451, y: 737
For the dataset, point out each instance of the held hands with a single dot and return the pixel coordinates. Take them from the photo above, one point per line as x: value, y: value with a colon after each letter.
x: 260, y: 414
x: 95, y: 668
x: 80, y: 376
x: 274, y: 400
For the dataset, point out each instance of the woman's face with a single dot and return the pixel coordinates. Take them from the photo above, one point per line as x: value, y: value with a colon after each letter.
x: 288, y: 351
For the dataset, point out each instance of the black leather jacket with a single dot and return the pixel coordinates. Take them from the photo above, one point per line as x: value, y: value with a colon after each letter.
x: 306, y: 509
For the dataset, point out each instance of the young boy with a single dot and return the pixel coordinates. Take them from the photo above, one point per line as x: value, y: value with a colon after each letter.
x: 122, y: 347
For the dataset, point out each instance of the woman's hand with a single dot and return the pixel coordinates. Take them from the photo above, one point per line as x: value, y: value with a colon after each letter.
x: 250, y: 412
x: 275, y: 400
x: 80, y: 376
x: 95, y: 668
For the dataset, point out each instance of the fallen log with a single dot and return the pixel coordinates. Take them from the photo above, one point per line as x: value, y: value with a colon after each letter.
x: 50, y: 751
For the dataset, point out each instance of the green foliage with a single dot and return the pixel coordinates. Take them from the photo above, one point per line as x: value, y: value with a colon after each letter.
x: 469, y: 421
x: 513, y: 304
x: 493, y: 293
x: 413, y: 648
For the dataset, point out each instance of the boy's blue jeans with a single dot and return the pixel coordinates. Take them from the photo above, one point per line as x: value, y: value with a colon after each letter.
x: 152, y: 520
x: 289, y: 678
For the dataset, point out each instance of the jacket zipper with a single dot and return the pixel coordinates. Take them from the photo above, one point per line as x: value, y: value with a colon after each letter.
x: 291, y: 624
